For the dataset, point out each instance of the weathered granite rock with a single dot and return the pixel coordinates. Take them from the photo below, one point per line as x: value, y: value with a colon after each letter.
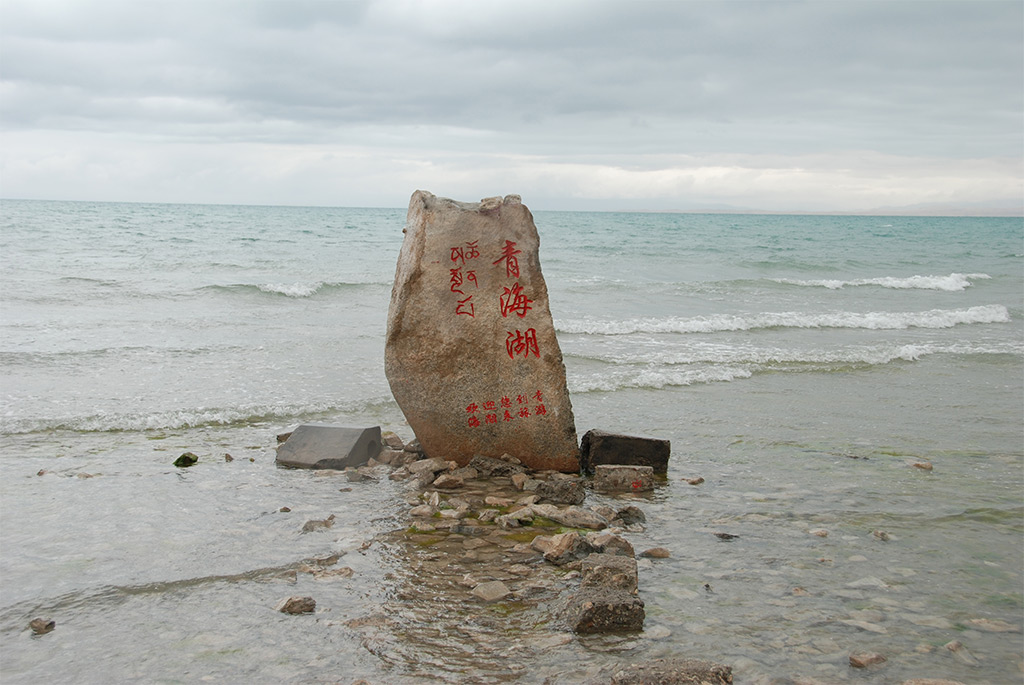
x: 673, y: 671
x: 619, y: 478
x: 599, y: 447
x: 471, y: 353
x: 314, y: 446
x: 630, y: 516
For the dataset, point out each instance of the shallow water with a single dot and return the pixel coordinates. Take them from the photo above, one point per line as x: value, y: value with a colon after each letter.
x: 801, y: 365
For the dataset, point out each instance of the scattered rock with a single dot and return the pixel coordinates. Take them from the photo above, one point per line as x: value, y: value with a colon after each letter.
x: 310, y: 526
x: 865, y: 659
x: 604, y: 610
x: 881, y: 535
x: 923, y: 465
x: 694, y: 481
x: 42, y: 472
x: 492, y: 591
x: 284, y: 510
x: 427, y: 466
x: 620, y: 478
x: 561, y: 491
x: 609, y: 571
x: 562, y: 548
x: 493, y: 501
x: 449, y: 481
x: 609, y: 543
x: 656, y: 553
x: 575, y: 517
x: 630, y: 516
x: 228, y: 457
x: 296, y: 605
x: 41, y: 626
x: 391, y: 440
x: 930, y: 681
x: 820, y: 532
x: 489, y: 467
x: 423, y: 510
x: 726, y: 536
x: 673, y: 671
x: 185, y: 460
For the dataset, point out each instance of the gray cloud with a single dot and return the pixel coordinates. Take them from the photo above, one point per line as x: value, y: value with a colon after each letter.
x: 576, y: 87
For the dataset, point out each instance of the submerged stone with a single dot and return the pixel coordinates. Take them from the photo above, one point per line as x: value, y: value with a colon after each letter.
x: 471, y: 353
x: 185, y: 460
x: 673, y: 671
x: 315, y: 446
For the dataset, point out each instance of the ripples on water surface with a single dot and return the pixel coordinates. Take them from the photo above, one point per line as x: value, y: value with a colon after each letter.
x: 801, y: 365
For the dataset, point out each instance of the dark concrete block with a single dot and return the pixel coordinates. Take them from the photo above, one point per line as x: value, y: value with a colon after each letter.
x: 314, y: 446
x: 599, y: 447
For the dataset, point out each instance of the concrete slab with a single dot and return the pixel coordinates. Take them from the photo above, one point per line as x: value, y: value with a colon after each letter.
x: 316, y: 446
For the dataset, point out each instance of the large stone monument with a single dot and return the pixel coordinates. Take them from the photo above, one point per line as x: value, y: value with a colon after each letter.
x: 471, y: 353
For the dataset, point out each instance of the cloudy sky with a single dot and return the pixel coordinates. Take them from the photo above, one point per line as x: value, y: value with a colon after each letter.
x: 819, y: 105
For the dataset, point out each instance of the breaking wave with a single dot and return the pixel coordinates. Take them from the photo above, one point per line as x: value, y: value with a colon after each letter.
x: 952, y: 283
x: 187, y: 418
x: 934, y: 318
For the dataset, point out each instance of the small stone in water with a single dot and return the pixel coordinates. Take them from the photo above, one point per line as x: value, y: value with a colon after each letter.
x: 41, y: 626
x: 694, y: 481
x: 284, y: 509
x: 726, y: 536
x: 923, y: 465
x: 820, y: 532
x: 492, y: 591
x: 882, y: 535
x: 866, y: 659
x: 656, y: 553
x: 228, y: 457
x: 185, y: 460
x: 296, y: 605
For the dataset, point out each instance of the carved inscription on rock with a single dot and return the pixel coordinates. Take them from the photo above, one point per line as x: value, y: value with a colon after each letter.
x: 471, y: 355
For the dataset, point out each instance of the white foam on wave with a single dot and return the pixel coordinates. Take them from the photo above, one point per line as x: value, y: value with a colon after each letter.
x: 292, y: 289
x: 177, y: 419
x: 934, y: 318
x: 654, y: 378
x: 954, y: 282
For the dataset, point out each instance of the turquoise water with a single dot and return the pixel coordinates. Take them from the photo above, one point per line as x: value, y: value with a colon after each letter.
x: 800, y: 364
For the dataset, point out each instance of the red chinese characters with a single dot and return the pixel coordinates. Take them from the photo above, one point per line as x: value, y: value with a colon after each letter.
x: 508, y: 255
x: 505, y: 409
x: 522, y: 343
x: 514, y: 301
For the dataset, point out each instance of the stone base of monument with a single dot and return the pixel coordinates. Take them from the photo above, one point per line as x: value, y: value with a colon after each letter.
x: 314, y: 446
x: 599, y: 447
x: 616, y: 478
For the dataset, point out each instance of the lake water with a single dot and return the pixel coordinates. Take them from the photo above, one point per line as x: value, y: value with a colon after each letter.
x: 800, y: 364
